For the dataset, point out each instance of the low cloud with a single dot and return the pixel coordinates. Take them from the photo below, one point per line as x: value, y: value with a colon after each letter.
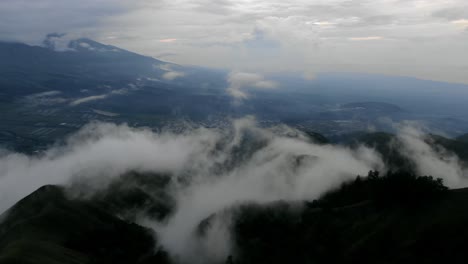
x: 88, y: 99
x: 220, y: 168
x: 58, y: 42
x: 99, y: 150
x: 430, y: 160
x: 45, y: 98
x: 170, y: 74
x: 45, y: 94
x: 241, y: 82
x: 122, y: 91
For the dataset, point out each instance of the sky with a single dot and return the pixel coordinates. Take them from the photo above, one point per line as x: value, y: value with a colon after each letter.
x: 426, y: 39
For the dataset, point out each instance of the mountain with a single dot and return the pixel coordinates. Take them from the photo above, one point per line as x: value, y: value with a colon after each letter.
x: 393, y: 218
x: 458, y: 145
x: 47, y: 93
x: 85, y: 65
x: 420, y: 229
x: 48, y: 227
x: 463, y: 138
x: 387, y: 145
x: 50, y: 91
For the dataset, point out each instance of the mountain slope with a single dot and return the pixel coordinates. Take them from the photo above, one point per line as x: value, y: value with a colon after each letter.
x: 47, y: 227
x: 31, y: 69
x: 396, y: 218
x: 431, y: 230
x: 91, y: 66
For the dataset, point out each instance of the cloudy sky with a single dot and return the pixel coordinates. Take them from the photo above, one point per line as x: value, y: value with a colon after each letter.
x: 421, y: 38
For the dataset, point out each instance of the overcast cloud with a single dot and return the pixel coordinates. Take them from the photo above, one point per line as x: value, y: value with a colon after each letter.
x: 420, y: 38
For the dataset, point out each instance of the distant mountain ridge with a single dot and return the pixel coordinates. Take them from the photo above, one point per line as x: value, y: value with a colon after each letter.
x: 68, y: 78
x: 85, y: 64
x: 28, y: 69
